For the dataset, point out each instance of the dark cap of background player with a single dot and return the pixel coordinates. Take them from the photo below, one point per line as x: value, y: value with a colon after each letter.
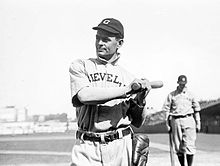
x: 182, y: 79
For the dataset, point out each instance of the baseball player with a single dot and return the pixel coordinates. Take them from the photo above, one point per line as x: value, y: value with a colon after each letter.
x: 105, y: 102
x: 183, y: 120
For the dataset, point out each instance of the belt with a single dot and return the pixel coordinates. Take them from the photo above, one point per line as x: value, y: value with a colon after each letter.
x: 103, y: 137
x: 181, y: 116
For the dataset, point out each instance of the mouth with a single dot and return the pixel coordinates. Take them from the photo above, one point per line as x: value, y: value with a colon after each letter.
x: 101, y: 50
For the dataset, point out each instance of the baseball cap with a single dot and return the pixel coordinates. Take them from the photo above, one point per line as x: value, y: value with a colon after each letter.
x: 111, y: 25
x: 182, y: 79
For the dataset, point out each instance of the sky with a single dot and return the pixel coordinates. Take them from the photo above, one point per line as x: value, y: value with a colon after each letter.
x: 163, y: 39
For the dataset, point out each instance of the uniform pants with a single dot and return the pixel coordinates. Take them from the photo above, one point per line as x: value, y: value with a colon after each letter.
x: 115, y: 153
x: 184, y: 134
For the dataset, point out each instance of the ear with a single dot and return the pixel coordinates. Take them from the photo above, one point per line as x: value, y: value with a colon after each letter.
x: 120, y: 43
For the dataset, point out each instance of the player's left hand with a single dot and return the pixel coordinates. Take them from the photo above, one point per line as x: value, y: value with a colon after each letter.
x: 145, y: 89
x: 145, y: 84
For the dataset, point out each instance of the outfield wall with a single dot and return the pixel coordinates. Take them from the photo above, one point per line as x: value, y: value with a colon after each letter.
x: 158, y: 128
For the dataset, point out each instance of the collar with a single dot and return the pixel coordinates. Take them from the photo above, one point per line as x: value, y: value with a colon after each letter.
x: 112, y: 61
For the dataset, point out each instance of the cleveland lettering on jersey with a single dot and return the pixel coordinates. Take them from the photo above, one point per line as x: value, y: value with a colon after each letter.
x: 104, y: 77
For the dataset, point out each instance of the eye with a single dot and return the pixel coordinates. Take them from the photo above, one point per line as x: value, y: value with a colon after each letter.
x: 97, y: 37
x: 103, y: 39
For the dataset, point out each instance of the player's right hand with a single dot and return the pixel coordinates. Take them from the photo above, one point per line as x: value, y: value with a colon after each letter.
x: 198, y: 126
x: 168, y: 124
x: 168, y: 128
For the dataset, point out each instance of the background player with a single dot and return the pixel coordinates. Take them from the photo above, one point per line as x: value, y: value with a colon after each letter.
x: 183, y: 120
x: 103, y: 97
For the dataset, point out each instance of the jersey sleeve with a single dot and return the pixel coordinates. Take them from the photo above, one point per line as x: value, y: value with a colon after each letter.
x: 167, y: 105
x: 195, y: 104
x: 78, y: 78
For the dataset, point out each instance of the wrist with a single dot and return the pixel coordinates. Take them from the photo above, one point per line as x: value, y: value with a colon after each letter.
x: 143, y: 103
x: 140, y: 105
x: 127, y: 92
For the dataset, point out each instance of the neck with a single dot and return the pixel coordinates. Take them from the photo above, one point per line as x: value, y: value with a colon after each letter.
x: 180, y: 89
x: 113, y: 59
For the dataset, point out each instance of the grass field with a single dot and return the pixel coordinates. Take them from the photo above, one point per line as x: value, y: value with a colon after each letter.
x: 55, y: 149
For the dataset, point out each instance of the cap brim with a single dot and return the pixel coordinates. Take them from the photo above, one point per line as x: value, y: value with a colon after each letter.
x: 106, y: 28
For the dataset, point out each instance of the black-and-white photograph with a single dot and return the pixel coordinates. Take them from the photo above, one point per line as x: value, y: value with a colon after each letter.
x: 109, y: 83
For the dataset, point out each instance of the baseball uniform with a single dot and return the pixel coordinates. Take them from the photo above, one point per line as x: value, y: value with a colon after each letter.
x: 101, y: 119
x: 181, y: 106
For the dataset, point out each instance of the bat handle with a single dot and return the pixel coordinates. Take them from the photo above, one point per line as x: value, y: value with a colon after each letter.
x: 154, y: 84
x: 136, y: 86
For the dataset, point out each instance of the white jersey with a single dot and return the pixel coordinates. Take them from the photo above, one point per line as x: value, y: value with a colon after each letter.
x: 98, y: 73
x: 181, y: 103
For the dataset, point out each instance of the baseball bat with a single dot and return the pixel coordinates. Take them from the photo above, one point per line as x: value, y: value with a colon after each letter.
x: 172, y: 159
x: 154, y: 84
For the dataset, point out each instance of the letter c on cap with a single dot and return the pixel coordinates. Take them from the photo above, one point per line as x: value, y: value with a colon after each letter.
x: 106, y: 21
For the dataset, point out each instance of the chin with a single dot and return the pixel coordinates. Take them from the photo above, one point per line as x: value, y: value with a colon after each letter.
x: 106, y: 57
x: 100, y: 55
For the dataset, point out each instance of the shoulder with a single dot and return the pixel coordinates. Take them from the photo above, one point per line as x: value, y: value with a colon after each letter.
x: 191, y: 95
x: 126, y: 73
x: 82, y: 62
x: 77, y: 65
x: 77, y: 61
x: 188, y: 92
x: 124, y: 69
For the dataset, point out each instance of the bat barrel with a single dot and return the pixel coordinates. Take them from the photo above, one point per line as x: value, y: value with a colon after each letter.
x: 156, y: 84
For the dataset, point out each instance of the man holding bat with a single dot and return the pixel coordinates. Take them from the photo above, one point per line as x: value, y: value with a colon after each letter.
x: 183, y: 120
x: 107, y: 99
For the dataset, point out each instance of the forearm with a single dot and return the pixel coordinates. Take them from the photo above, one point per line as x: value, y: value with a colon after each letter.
x: 167, y: 105
x: 197, y: 117
x: 197, y: 120
x: 166, y: 109
x: 96, y: 95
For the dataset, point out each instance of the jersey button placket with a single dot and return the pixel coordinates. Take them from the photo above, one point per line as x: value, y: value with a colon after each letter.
x: 106, y: 73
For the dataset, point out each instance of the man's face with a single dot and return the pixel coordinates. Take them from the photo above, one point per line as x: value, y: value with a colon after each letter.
x: 182, y: 86
x: 106, y: 44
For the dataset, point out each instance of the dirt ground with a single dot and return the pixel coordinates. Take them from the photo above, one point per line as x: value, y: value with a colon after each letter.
x: 55, y: 149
